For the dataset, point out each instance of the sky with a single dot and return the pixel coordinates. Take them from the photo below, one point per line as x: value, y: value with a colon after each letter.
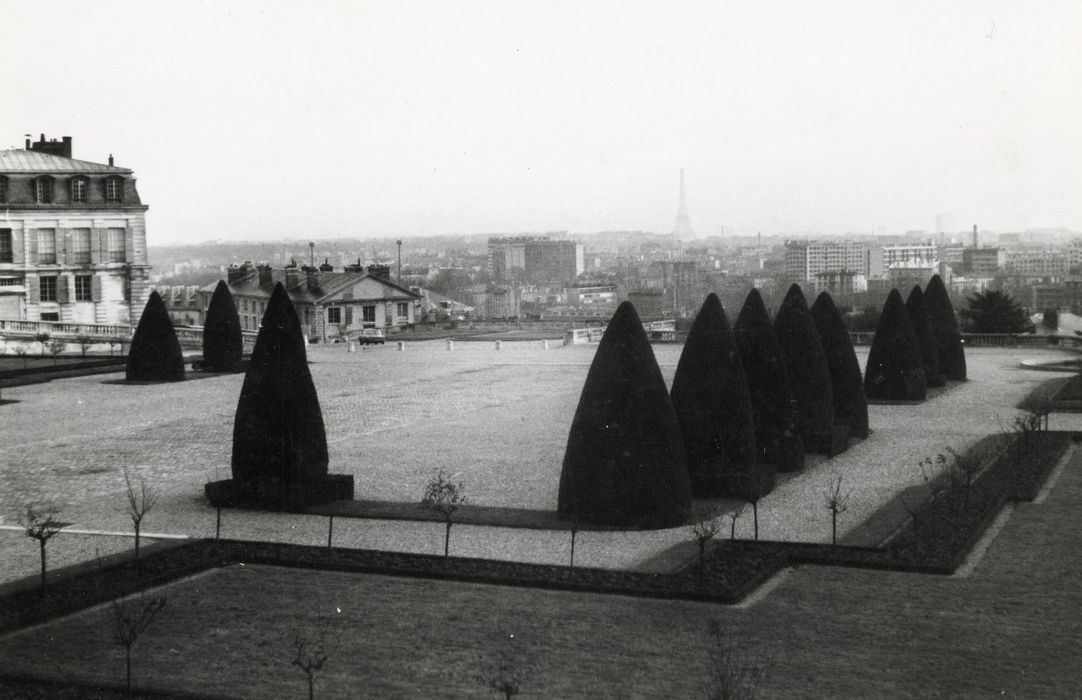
x: 271, y: 119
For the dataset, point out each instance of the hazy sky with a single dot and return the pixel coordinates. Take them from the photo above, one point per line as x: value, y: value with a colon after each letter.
x: 317, y: 119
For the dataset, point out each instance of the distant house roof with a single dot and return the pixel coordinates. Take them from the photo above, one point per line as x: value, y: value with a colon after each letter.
x: 329, y: 284
x: 17, y: 160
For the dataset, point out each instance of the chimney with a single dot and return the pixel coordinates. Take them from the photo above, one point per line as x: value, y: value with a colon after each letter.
x: 355, y: 267
x: 293, y: 275
x: 326, y: 266
x: 110, y: 160
x: 56, y: 148
x: 235, y: 273
x: 266, y: 275
x: 975, y: 244
x: 28, y: 143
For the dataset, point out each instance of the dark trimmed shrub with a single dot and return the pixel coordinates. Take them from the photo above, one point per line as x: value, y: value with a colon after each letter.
x: 952, y: 357
x: 846, y: 379
x: 223, y: 344
x: 917, y: 308
x: 713, y: 405
x: 279, y: 444
x: 625, y: 462
x: 895, y: 371
x: 777, y: 438
x: 809, y: 375
x: 154, y: 354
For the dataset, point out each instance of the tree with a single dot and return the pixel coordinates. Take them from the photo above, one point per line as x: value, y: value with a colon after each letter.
x: 713, y: 404
x: 995, y: 311
x: 809, y: 375
x: 921, y: 320
x: 310, y: 652
x: 129, y: 622
x: 444, y: 496
x: 952, y: 358
x: 279, y: 457
x: 702, y: 532
x: 139, y: 504
x: 773, y: 406
x: 42, y: 525
x: 43, y: 341
x: 504, y: 675
x: 625, y: 463
x: 895, y: 371
x: 837, y: 503
x: 56, y: 347
x: 223, y: 343
x: 155, y: 355
x: 734, y: 674
x: 20, y: 350
x: 84, y: 341
x: 846, y: 379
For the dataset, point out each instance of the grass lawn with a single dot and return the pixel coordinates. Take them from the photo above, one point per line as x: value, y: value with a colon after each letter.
x: 1007, y: 629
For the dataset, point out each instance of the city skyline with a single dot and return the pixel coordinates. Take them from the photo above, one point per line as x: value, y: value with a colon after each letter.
x: 249, y: 121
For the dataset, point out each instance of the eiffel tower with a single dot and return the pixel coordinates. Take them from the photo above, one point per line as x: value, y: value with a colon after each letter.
x: 682, y: 230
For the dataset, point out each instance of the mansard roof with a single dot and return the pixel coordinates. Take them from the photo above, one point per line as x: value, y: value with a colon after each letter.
x: 17, y: 160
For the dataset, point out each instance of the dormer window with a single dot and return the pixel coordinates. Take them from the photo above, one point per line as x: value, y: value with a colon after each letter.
x: 114, y: 189
x: 78, y: 189
x: 43, y: 189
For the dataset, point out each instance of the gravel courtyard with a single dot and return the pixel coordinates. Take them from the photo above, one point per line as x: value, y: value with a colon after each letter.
x: 497, y: 418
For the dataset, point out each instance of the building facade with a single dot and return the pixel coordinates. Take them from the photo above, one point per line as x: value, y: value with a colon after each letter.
x: 806, y: 259
x: 72, y: 238
x: 534, y: 259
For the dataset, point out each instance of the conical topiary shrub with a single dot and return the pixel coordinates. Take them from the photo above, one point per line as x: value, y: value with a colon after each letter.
x: 279, y: 444
x: 625, y: 463
x: 777, y: 439
x: 922, y: 328
x: 809, y: 375
x: 154, y: 354
x: 895, y: 371
x: 846, y: 379
x: 952, y: 356
x: 223, y: 345
x: 713, y: 405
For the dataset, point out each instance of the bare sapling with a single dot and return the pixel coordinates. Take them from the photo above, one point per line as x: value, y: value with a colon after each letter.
x: 130, y: 620
x: 42, y: 525
x: 702, y: 532
x: 444, y: 496
x: 141, y: 501
x: 837, y: 503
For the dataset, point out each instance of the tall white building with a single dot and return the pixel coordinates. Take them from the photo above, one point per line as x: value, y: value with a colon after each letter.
x: 804, y: 260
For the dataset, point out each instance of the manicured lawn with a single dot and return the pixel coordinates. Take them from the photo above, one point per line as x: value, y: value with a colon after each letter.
x: 1010, y: 628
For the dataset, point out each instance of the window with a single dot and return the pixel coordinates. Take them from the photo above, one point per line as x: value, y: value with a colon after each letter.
x: 368, y: 314
x: 50, y: 316
x: 80, y: 245
x: 6, y: 251
x: 78, y: 189
x: 47, y: 286
x: 334, y: 314
x: 403, y: 309
x: 113, y: 189
x: 3, y: 189
x: 46, y: 246
x: 43, y: 190
x: 83, y: 288
x: 116, y: 245
x: 349, y: 315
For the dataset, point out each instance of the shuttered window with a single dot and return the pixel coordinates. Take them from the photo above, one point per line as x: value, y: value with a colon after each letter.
x: 84, y: 288
x: 47, y: 287
x: 46, y: 246
x: 7, y: 248
x: 80, y: 245
x: 116, y: 245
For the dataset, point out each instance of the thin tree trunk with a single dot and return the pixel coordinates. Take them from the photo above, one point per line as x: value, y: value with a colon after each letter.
x: 42, y: 543
x: 330, y: 530
x: 755, y: 514
x: 311, y: 687
x: 136, y: 539
x: 447, y: 539
x: 834, y: 527
x: 127, y: 661
x: 573, y: 533
x: 218, y: 525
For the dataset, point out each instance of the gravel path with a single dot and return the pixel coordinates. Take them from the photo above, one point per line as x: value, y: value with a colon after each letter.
x: 500, y: 418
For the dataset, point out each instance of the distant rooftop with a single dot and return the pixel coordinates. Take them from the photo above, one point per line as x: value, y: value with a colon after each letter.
x: 17, y: 160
